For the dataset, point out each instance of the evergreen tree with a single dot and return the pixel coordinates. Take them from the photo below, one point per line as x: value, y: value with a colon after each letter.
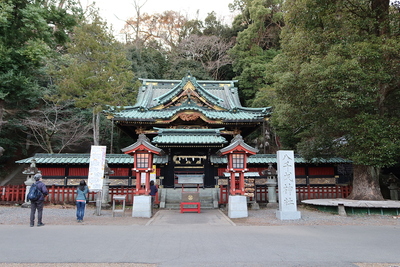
x: 31, y: 32
x: 96, y: 72
x: 256, y: 44
x: 338, y: 84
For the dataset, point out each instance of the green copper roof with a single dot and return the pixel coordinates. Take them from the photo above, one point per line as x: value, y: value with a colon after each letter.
x: 239, y: 114
x: 189, y: 136
x: 222, y: 95
x: 42, y: 158
x: 271, y: 158
x: 123, y: 159
x: 237, y: 141
x: 143, y: 140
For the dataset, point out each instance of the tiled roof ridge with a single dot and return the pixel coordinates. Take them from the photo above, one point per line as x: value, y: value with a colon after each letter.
x: 127, y: 159
x: 190, y: 130
x: 179, y: 88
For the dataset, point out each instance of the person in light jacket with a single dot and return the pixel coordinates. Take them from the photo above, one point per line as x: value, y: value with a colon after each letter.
x: 82, y: 195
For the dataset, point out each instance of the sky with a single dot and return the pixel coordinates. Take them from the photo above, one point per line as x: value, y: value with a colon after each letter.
x: 116, y: 11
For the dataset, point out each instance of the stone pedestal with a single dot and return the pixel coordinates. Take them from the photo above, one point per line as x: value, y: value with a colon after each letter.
x: 237, y: 207
x: 141, y: 206
x: 288, y: 215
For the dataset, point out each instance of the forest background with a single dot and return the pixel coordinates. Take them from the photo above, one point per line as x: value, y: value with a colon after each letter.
x: 329, y: 69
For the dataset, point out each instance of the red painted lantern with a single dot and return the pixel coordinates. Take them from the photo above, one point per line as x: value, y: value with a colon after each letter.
x: 237, y: 153
x: 142, y: 151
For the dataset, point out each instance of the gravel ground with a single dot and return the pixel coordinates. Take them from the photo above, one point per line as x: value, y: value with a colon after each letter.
x: 66, y: 215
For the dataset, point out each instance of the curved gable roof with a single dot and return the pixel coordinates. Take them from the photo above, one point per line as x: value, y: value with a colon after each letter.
x: 217, y: 100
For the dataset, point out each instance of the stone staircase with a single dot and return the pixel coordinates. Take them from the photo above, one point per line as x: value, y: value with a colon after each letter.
x: 171, y: 198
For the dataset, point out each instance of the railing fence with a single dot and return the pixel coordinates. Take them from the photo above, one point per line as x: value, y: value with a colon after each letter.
x: 302, y: 193
x: 67, y: 194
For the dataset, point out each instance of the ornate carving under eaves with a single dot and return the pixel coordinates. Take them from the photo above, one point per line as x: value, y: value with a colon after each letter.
x: 189, y: 116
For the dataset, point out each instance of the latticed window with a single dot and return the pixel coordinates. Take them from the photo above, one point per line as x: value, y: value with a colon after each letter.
x: 142, y: 160
x: 238, y: 161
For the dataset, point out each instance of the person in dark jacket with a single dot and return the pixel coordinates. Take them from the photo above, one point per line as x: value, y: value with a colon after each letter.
x: 153, y: 192
x: 81, y: 198
x: 38, y: 204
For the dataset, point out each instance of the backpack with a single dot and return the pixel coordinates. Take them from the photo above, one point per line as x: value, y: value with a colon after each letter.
x: 34, y: 193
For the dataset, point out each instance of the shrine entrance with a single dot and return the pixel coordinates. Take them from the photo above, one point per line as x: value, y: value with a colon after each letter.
x: 189, y: 167
x: 189, y: 170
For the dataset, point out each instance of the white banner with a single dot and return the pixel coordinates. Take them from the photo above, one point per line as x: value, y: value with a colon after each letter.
x: 96, y: 167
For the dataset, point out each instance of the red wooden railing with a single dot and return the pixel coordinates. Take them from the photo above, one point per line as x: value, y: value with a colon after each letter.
x: 63, y: 194
x: 302, y: 192
x: 12, y: 193
x: 66, y: 194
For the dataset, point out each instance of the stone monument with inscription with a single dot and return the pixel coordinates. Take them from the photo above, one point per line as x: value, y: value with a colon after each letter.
x: 286, y: 186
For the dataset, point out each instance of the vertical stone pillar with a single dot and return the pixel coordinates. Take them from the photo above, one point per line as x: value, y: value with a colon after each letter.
x: 286, y: 186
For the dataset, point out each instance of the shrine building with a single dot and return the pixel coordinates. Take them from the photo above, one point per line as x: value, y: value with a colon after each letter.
x: 190, y: 123
x: 190, y: 120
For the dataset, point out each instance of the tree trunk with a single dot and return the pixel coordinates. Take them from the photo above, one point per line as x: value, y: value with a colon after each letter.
x: 1, y: 113
x: 381, y: 11
x: 48, y: 144
x: 96, y: 128
x: 366, y: 183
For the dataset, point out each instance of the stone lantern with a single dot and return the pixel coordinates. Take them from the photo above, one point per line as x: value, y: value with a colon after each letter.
x: 393, y: 187
x: 106, y: 186
x: 271, y: 184
x: 30, y: 172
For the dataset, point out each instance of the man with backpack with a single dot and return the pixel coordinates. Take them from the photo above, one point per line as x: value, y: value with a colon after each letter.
x: 39, y: 203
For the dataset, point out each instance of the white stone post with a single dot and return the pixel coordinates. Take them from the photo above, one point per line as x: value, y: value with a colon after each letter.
x: 286, y: 186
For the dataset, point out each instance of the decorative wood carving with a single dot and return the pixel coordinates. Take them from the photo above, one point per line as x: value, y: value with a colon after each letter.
x: 189, y: 116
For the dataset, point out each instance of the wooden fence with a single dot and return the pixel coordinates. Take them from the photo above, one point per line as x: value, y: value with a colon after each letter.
x: 62, y: 194
x: 66, y: 194
x: 302, y: 193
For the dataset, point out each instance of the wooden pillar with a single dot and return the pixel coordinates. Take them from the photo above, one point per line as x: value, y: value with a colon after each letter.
x: 138, y: 185
x: 233, y: 184
x: 147, y: 184
x: 241, y: 183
